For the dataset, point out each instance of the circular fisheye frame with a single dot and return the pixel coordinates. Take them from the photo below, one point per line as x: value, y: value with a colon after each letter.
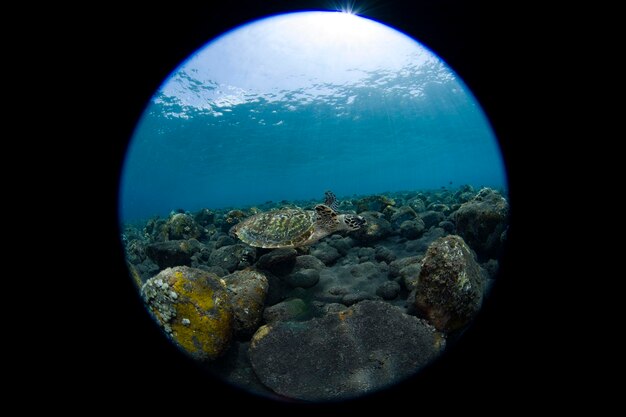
x: 313, y: 207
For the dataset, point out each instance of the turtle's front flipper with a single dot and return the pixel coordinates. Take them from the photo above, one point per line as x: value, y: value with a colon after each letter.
x: 331, y: 201
x: 327, y: 218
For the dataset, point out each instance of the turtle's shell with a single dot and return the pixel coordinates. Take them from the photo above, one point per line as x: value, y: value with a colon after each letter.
x: 277, y: 229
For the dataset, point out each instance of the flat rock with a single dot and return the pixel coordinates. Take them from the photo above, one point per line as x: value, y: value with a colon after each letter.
x: 342, y: 355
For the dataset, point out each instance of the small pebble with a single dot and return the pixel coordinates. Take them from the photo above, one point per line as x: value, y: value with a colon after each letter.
x: 186, y: 322
x: 173, y: 295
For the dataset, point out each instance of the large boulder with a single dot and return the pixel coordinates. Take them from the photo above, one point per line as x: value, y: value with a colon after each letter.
x: 344, y: 354
x: 450, y: 286
x: 482, y: 222
x: 173, y: 252
x: 194, y: 309
x: 248, y: 291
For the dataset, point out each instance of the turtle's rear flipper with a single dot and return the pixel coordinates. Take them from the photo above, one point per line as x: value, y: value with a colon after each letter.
x: 331, y: 201
x: 327, y: 217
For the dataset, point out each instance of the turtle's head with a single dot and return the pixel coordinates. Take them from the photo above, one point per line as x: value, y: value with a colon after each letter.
x: 353, y: 222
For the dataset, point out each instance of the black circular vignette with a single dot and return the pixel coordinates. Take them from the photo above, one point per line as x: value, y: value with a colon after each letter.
x: 141, y: 48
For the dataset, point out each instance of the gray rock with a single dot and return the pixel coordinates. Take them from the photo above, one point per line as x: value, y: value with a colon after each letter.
x: 356, y: 297
x: 204, y: 217
x: 389, y: 290
x: 326, y: 253
x: 421, y: 244
x: 410, y: 275
x: 333, y: 308
x: 417, y: 204
x: 201, y: 257
x: 338, y: 290
x: 396, y: 266
x: 181, y: 226
x: 373, y: 203
x: 482, y: 221
x: 308, y: 262
x: 248, y: 292
x: 224, y: 240
x: 407, y: 270
x: 412, y: 229
x: 305, y: 278
x: 232, y: 257
x: 384, y: 254
x: 432, y: 218
x: 447, y: 226
x: 217, y: 270
x: 366, y: 254
x: 451, y: 284
x: 439, y: 207
x: 362, y: 349
x: 173, y: 252
x: 288, y: 310
x: 147, y: 269
x: 404, y: 213
x: 465, y: 197
x: 376, y: 228
x: 279, y: 261
x: 343, y: 245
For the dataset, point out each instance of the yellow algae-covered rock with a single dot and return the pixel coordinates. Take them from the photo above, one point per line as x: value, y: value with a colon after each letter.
x: 248, y: 290
x: 194, y: 308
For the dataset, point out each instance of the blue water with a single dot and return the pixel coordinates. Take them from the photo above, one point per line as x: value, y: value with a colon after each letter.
x: 410, y: 129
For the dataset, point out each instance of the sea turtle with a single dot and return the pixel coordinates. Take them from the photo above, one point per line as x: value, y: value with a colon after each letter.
x: 290, y: 228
